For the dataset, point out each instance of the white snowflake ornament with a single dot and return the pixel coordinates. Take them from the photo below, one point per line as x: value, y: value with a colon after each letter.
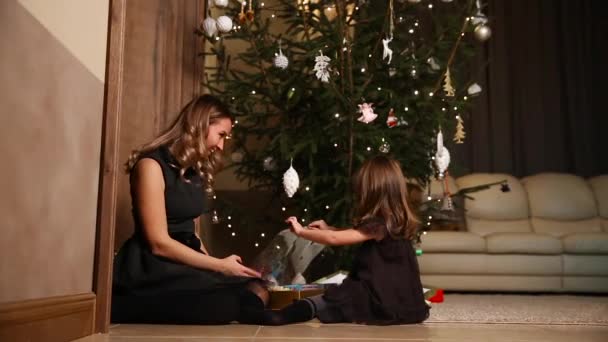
x: 321, y: 68
x: 474, y: 89
x: 291, y: 181
x: 367, y: 113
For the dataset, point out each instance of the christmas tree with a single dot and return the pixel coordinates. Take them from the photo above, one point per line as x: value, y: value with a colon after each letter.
x: 323, y: 85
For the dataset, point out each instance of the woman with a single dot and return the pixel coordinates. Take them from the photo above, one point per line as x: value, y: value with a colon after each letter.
x: 163, y: 273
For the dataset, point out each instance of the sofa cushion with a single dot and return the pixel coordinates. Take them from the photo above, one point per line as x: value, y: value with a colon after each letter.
x: 585, y: 265
x: 560, y: 228
x: 523, y: 243
x: 493, y: 204
x: 454, y: 242
x: 586, y: 243
x: 560, y: 197
x: 599, y: 186
x: 485, y: 227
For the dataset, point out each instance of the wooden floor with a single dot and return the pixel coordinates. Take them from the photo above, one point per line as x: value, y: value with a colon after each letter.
x: 314, y: 331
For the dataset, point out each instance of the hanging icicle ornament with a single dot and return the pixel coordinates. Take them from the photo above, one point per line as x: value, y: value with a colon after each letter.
x: 367, y: 113
x: 291, y: 181
x: 321, y: 68
x: 280, y: 61
x: 460, y: 134
x: 224, y: 24
x: 442, y: 156
x: 447, y: 84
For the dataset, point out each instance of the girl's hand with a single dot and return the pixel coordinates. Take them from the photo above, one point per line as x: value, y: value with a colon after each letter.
x: 321, y: 225
x: 296, y: 227
x: 232, y: 266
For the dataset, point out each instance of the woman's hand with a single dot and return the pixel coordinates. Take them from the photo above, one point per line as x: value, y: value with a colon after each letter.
x: 321, y: 225
x: 296, y: 227
x: 232, y: 266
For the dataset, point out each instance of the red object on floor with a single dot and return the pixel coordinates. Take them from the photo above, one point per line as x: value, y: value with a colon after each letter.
x: 438, y: 297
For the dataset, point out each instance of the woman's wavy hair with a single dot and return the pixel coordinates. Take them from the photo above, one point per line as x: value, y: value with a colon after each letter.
x: 186, y: 139
x: 381, y: 193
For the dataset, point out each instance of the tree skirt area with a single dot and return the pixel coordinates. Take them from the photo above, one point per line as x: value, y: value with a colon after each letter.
x: 522, y: 309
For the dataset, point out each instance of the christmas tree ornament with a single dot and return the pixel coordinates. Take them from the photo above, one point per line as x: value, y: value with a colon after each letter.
x: 367, y: 113
x: 291, y: 181
x: 280, y: 61
x: 269, y: 164
x: 432, y: 62
x: 392, y: 72
x: 442, y: 156
x: 460, y: 134
x: 391, y: 120
x: 210, y: 26
x: 321, y: 67
x: 384, y: 147
x: 250, y: 13
x: 479, y: 18
x: 474, y: 89
x: 413, y: 1
x: 224, y: 24
x: 221, y: 3
x: 414, y: 73
x: 482, y: 32
x: 242, y: 15
x: 447, y: 84
x: 387, y: 52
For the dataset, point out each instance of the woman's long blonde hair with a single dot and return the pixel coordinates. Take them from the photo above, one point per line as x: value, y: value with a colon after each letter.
x: 381, y: 192
x: 186, y: 139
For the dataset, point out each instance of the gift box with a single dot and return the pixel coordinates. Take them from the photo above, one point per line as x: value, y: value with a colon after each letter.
x: 281, y: 296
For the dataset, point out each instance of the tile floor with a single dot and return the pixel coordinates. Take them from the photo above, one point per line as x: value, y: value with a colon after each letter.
x: 314, y: 331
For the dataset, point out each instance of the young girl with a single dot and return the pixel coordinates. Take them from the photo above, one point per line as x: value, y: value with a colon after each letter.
x: 163, y: 273
x: 383, y: 286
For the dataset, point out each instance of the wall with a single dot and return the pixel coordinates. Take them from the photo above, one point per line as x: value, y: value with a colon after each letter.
x: 52, y: 67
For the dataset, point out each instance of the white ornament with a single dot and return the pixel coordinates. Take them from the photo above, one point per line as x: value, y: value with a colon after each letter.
x: 280, y: 61
x: 442, y: 156
x: 210, y: 26
x: 433, y: 63
x: 322, y: 67
x: 291, y: 181
x: 367, y: 113
x: 224, y: 24
x: 221, y: 3
x: 482, y: 32
x: 387, y: 52
x: 474, y: 89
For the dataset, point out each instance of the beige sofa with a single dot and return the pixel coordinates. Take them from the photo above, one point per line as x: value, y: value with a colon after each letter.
x: 548, y: 234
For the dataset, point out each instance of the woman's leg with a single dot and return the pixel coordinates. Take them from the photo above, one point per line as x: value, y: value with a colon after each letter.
x: 217, y: 307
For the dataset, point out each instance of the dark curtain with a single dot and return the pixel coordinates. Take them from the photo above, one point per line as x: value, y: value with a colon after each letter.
x: 543, y: 106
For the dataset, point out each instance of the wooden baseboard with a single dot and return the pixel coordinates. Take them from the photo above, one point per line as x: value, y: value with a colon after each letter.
x: 64, y: 318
